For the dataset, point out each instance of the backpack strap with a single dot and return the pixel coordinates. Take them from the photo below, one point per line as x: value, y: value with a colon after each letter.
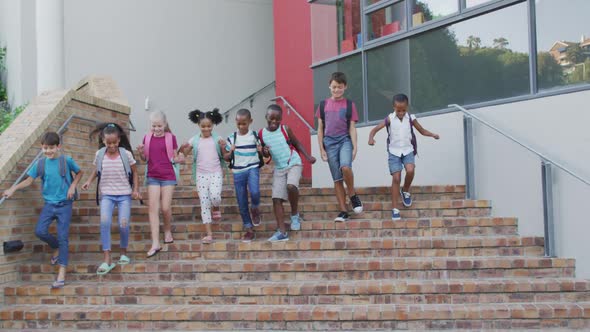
x: 291, y: 147
x: 169, y: 146
x: 232, y: 158
x: 260, y: 156
x: 126, y: 165
x: 260, y: 137
x: 323, y: 115
x: 387, y: 127
x: 413, y: 139
x: 64, y: 170
x: 146, y: 146
x: 348, y: 112
x: 41, y: 168
x: 99, y: 158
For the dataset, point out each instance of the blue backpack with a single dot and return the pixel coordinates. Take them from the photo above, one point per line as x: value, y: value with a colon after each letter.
x: 64, y: 169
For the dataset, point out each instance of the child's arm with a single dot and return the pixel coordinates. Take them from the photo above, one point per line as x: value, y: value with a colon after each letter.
x: 72, y: 189
x: 321, y: 139
x: 423, y: 131
x: 374, y: 131
x: 353, y: 138
x: 224, y: 151
x: 135, y: 194
x: 295, y: 142
x: 88, y: 182
x: 23, y: 184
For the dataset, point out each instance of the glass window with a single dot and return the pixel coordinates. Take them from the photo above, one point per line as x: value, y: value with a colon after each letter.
x: 335, y: 28
x: 370, y: 2
x: 472, y: 3
x: 428, y: 10
x: 388, y: 72
x: 563, y: 45
x: 352, y: 68
x: 387, y: 21
x: 472, y: 61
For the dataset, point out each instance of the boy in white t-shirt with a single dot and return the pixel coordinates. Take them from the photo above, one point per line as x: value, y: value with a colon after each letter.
x: 401, y: 149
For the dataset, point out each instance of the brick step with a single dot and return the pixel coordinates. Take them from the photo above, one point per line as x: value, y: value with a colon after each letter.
x: 303, y: 317
x: 319, y: 292
x: 319, y: 229
x: 380, y: 268
x: 321, y: 248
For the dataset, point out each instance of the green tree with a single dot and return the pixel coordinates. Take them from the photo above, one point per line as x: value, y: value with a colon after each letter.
x: 500, y: 43
x: 574, y: 54
x: 549, y: 72
x: 473, y: 42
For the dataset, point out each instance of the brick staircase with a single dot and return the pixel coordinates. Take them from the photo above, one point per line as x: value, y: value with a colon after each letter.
x: 446, y: 265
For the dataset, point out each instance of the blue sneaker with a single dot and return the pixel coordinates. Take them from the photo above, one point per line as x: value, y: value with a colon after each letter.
x: 296, y: 222
x: 395, y: 215
x: 406, y: 198
x: 278, y: 237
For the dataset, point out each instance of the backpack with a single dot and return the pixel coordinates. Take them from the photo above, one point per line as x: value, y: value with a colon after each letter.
x: 169, y: 151
x: 260, y: 157
x: 195, y: 144
x: 287, y: 139
x: 413, y: 141
x: 64, y: 169
x: 348, y: 113
x: 126, y: 166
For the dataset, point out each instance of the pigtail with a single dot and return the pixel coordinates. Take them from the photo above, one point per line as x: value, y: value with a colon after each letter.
x: 195, y: 116
x: 215, y: 116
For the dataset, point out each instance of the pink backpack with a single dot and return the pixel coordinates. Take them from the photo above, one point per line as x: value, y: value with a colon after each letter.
x: 169, y: 151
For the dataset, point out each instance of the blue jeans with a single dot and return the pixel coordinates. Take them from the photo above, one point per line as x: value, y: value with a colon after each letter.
x: 339, y: 151
x: 62, y: 213
x: 243, y: 182
x: 107, y: 206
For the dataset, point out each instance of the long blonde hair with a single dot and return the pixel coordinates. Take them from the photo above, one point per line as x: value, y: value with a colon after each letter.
x: 159, y: 115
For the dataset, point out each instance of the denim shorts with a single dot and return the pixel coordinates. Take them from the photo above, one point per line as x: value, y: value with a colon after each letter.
x: 161, y: 183
x: 339, y: 151
x: 396, y: 164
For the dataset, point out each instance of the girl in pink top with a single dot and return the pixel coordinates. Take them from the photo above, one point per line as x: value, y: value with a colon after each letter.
x: 208, y: 166
x: 117, y: 185
x: 159, y: 149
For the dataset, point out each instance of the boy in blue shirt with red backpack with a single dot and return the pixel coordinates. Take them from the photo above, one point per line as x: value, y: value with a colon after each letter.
x: 401, y: 149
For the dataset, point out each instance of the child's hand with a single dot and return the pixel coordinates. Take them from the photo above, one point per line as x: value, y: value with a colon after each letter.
x: 8, y: 193
x: 71, y: 192
x: 185, y: 146
x: 435, y: 136
x: 232, y: 148
x: 140, y: 148
x: 371, y: 141
x: 222, y: 143
x: 180, y: 158
x: 85, y: 186
x: 259, y: 148
x: 266, y: 150
x: 311, y: 160
x: 324, y: 155
x: 136, y: 194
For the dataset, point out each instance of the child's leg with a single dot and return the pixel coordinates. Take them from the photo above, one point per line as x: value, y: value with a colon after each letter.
x: 215, y: 188
x: 277, y: 205
x: 332, y: 146
x: 395, y: 182
x: 240, y: 185
x: 64, y: 216
x: 279, y: 194
x: 254, y: 187
x: 124, y: 211
x: 410, y: 166
x: 293, y: 177
x: 203, y: 183
x: 346, y: 165
x: 166, y: 193
x: 107, y: 205
x: 154, y: 214
x: 42, y: 228
x: 340, y: 195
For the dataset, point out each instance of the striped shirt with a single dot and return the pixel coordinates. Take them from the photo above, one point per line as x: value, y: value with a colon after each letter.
x: 245, y: 155
x: 281, y: 154
x: 113, y: 179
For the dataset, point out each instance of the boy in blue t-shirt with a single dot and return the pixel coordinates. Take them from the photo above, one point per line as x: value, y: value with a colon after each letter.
x: 59, y: 191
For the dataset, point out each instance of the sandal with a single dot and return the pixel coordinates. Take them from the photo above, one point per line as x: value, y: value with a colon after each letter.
x: 105, y: 268
x: 153, y: 252
x: 123, y: 260
x: 207, y: 240
x: 216, y: 215
x: 168, y: 242
x: 54, y: 260
x: 58, y: 284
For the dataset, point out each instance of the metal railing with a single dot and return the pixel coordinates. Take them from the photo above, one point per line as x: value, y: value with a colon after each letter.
x: 291, y: 108
x: 250, y: 97
x: 546, y: 173
x: 60, y: 132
